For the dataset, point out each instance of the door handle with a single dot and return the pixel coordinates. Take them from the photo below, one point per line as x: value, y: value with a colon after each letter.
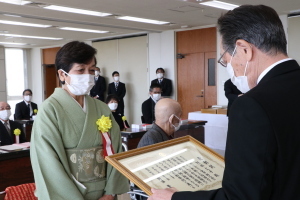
x: 202, y: 94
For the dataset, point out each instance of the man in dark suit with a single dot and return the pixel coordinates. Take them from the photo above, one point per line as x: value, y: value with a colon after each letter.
x: 118, y: 88
x: 149, y: 104
x: 166, y: 84
x: 99, y: 88
x: 26, y: 108
x: 262, y: 151
x: 7, y: 127
x: 231, y: 92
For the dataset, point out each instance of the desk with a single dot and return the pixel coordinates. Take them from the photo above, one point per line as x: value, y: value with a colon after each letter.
x: 15, y: 169
x: 215, y: 129
x: 27, y: 124
x: 131, y: 137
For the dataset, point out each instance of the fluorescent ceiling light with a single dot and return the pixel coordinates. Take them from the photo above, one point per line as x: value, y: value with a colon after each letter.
x: 29, y: 36
x: 18, y: 2
x: 136, y: 19
x: 220, y: 4
x: 75, y: 10
x: 24, y: 24
x: 82, y: 30
x: 12, y: 43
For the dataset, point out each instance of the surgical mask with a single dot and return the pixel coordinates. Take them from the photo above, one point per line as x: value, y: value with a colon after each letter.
x: 241, y: 82
x: 156, y: 97
x: 160, y: 75
x: 5, y: 114
x: 113, y: 106
x: 27, y: 98
x: 97, y: 73
x: 80, y: 84
x: 116, y: 78
x: 177, y: 125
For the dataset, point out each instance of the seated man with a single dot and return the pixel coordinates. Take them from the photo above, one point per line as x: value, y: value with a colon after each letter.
x: 167, y: 114
x: 25, y: 109
x: 149, y: 104
x: 7, y: 126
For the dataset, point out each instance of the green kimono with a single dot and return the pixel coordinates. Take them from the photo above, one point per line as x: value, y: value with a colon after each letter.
x: 66, y: 150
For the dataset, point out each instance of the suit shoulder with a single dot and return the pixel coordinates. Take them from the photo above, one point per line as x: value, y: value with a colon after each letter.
x: 20, y: 103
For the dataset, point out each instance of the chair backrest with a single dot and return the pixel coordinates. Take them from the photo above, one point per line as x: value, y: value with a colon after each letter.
x: 143, y: 119
x: 20, y: 192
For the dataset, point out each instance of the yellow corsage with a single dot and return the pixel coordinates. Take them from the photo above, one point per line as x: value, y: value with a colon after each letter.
x: 35, y: 111
x: 104, y: 124
x: 124, y: 118
x: 17, y: 131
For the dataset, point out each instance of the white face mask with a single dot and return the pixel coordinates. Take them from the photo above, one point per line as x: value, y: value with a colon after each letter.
x: 97, y: 73
x: 116, y: 78
x: 177, y: 125
x: 113, y: 106
x: 160, y: 75
x: 5, y: 114
x: 27, y: 98
x: 241, y: 82
x: 156, y: 97
x: 80, y: 84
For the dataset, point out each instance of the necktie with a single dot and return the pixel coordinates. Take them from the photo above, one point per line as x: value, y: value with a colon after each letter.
x: 28, y: 105
x: 116, y: 86
x: 8, y: 129
x: 159, y: 81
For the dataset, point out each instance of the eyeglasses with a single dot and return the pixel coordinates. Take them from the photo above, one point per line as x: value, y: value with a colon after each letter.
x: 224, y: 64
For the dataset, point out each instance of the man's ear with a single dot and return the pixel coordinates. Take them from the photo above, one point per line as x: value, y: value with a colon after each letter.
x: 247, y: 50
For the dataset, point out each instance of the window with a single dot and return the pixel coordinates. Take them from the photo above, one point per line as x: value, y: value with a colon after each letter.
x: 15, y: 76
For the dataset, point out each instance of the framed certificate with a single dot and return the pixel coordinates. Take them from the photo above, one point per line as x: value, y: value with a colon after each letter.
x: 183, y: 163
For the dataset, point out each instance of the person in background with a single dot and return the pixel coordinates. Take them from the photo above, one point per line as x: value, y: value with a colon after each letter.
x: 118, y: 88
x: 231, y: 92
x: 167, y: 114
x: 149, y: 104
x: 166, y: 84
x: 25, y: 109
x: 7, y: 127
x: 113, y: 101
x: 67, y: 151
x: 99, y: 88
x: 262, y: 150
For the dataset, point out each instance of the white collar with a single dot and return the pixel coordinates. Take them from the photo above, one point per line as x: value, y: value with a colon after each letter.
x: 84, y: 104
x: 27, y: 103
x: 271, y: 67
x: 153, y: 99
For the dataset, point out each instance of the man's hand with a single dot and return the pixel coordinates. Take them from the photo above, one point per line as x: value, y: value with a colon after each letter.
x: 107, y: 197
x: 165, y: 194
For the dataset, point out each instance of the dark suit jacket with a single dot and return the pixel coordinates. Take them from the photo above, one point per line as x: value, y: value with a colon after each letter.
x: 6, y: 138
x: 262, y: 151
x: 148, y: 110
x: 231, y: 92
x: 22, y: 111
x: 166, y: 86
x: 120, y: 92
x: 99, y: 88
x: 153, y: 136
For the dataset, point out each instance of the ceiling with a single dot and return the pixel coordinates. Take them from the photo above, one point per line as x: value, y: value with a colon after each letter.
x: 180, y: 13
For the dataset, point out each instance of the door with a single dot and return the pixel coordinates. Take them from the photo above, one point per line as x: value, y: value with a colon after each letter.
x: 210, y: 84
x: 190, y: 70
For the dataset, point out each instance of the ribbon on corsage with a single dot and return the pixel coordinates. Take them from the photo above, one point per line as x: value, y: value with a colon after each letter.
x: 104, y: 124
x: 124, y: 121
x: 17, y: 132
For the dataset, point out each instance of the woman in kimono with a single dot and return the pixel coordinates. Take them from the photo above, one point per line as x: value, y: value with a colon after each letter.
x: 112, y: 101
x: 66, y: 145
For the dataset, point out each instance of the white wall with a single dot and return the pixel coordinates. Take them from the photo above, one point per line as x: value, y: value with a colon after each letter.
x: 3, y: 96
x: 294, y: 42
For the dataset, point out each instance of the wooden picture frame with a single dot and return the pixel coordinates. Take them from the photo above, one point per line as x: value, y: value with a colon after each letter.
x: 183, y: 163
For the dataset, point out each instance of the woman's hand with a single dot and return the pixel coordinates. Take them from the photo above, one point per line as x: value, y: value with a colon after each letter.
x: 107, y: 197
x: 165, y: 194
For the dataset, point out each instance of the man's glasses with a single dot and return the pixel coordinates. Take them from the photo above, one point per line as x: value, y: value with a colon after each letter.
x: 224, y: 64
